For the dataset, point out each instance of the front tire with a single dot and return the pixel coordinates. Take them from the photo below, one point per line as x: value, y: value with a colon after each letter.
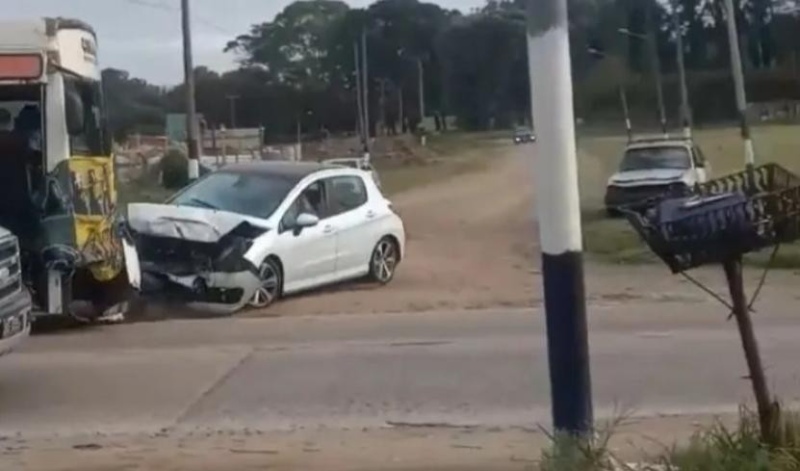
x: 384, y: 260
x: 269, y: 290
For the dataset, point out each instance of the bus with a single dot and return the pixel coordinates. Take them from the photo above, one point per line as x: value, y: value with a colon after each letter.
x: 57, y: 169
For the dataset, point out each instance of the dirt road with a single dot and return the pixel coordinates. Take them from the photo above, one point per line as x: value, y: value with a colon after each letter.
x: 472, y: 245
x: 391, y: 449
x: 461, y: 390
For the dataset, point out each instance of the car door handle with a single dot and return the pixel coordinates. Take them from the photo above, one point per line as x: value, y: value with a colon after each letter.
x: 327, y: 229
x: 370, y: 214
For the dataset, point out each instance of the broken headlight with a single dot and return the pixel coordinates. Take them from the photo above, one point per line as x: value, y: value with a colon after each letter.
x: 231, y: 258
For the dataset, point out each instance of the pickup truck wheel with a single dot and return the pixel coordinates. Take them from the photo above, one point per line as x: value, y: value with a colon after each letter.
x: 270, y: 289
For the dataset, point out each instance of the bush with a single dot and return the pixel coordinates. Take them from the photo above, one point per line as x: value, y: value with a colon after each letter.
x: 174, y: 169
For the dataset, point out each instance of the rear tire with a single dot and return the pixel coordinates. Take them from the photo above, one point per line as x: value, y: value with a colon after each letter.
x: 384, y: 260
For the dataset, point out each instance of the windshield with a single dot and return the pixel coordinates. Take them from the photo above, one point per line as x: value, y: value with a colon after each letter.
x: 650, y: 158
x: 247, y: 194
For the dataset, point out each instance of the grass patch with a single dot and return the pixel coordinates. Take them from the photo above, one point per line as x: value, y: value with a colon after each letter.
x: 741, y: 449
x: 451, y: 154
x: 455, y: 143
x: 614, y: 241
x: 397, y: 178
x: 446, y: 156
x: 718, y: 448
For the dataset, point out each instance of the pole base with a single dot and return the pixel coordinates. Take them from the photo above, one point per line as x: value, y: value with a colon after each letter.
x: 194, y: 169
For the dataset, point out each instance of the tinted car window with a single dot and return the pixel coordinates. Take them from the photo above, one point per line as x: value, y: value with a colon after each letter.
x: 312, y: 200
x: 248, y: 194
x: 347, y: 193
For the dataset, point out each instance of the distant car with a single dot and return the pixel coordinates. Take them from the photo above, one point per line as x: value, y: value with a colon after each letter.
x: 251, y: 233
x: 523, y: 135
x: 652, y: 167
x: 356, y: 162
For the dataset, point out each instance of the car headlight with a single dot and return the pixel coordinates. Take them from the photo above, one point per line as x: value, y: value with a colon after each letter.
x: 231, y: 258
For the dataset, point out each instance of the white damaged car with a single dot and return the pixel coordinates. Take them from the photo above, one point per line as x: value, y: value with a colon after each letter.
x: 251, y: 233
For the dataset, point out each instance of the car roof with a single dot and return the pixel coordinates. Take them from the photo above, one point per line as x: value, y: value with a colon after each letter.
x: 658, y: 140
x: 659, y: 143
x: 294, y: 171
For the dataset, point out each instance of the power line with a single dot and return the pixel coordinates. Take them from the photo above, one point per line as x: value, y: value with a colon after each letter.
x: 163, y: 6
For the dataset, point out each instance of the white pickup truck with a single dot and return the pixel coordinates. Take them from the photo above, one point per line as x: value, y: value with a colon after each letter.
x: 652, y: 167
x: 15, y: 301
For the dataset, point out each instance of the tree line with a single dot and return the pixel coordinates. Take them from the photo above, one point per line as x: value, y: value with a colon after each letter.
x: 297, y: 69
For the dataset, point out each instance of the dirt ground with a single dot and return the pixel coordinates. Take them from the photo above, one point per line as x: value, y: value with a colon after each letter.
x: 472, y: 244
x: 392, y: 448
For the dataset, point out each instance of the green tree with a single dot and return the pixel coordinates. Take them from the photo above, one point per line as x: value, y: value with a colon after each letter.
x: 295, y: 44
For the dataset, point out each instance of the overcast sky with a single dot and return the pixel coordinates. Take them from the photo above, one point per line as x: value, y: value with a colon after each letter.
x: 144, y: 36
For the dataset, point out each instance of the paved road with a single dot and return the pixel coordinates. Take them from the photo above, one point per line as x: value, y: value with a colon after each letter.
x: 362, y: 371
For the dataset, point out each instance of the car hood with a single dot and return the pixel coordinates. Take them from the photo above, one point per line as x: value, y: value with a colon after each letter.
x: 648, y: 177
x: 187, y: 222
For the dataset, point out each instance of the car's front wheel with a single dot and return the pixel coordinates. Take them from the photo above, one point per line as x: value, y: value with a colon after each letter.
x: 383, y: 263
x: 269, y: 290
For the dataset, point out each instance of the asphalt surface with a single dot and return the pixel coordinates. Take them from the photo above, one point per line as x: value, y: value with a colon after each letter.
x: 351, y: 371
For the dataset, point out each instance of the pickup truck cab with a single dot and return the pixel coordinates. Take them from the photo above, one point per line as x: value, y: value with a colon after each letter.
x: 651, y: 167
x: 15, y: 300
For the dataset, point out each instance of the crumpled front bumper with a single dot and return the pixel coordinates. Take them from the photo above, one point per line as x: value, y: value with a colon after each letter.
x: 221, y: 293
x: 214, y: 292
x: 196, y: 257
x: 635, y: 197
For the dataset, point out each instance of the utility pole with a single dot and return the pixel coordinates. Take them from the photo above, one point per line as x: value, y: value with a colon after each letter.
x: 686, y: 110
x: 400, y: 110
x: 556, y: 183
x: 738, y: 82
x: 656, y: 64
x: 623, y: 98
x: 365, y: 83
x: 359, y: 94
x: 191, y: 111
x: 382, y: 106
x: 421, y: 85
x: 299, y: 152
x: 232, y: 99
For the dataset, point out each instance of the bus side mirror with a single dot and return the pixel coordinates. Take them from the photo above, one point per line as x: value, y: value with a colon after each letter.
x: 73, y: 108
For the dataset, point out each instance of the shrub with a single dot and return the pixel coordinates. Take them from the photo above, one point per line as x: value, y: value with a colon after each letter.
x: 174, y: 169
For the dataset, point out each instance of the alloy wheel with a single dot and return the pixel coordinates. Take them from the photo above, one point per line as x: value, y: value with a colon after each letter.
x: 267, y: 292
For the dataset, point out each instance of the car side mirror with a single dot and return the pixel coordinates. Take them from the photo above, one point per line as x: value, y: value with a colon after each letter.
x: 74, y: 112
x: 306, y: 220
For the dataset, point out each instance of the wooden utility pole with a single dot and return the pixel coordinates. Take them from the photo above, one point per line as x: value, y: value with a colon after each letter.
x: 655, y: 58
x: 421, y: 85
x: 359, y: 94
x: 382, y: 107
x: 365, y: 83
x: 400, y: 110
x: 232, y: 99
x: 193, y: 152
x: 686, y: 110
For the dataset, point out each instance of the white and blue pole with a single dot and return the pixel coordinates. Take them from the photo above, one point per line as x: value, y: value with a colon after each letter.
x: 558, y: 213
